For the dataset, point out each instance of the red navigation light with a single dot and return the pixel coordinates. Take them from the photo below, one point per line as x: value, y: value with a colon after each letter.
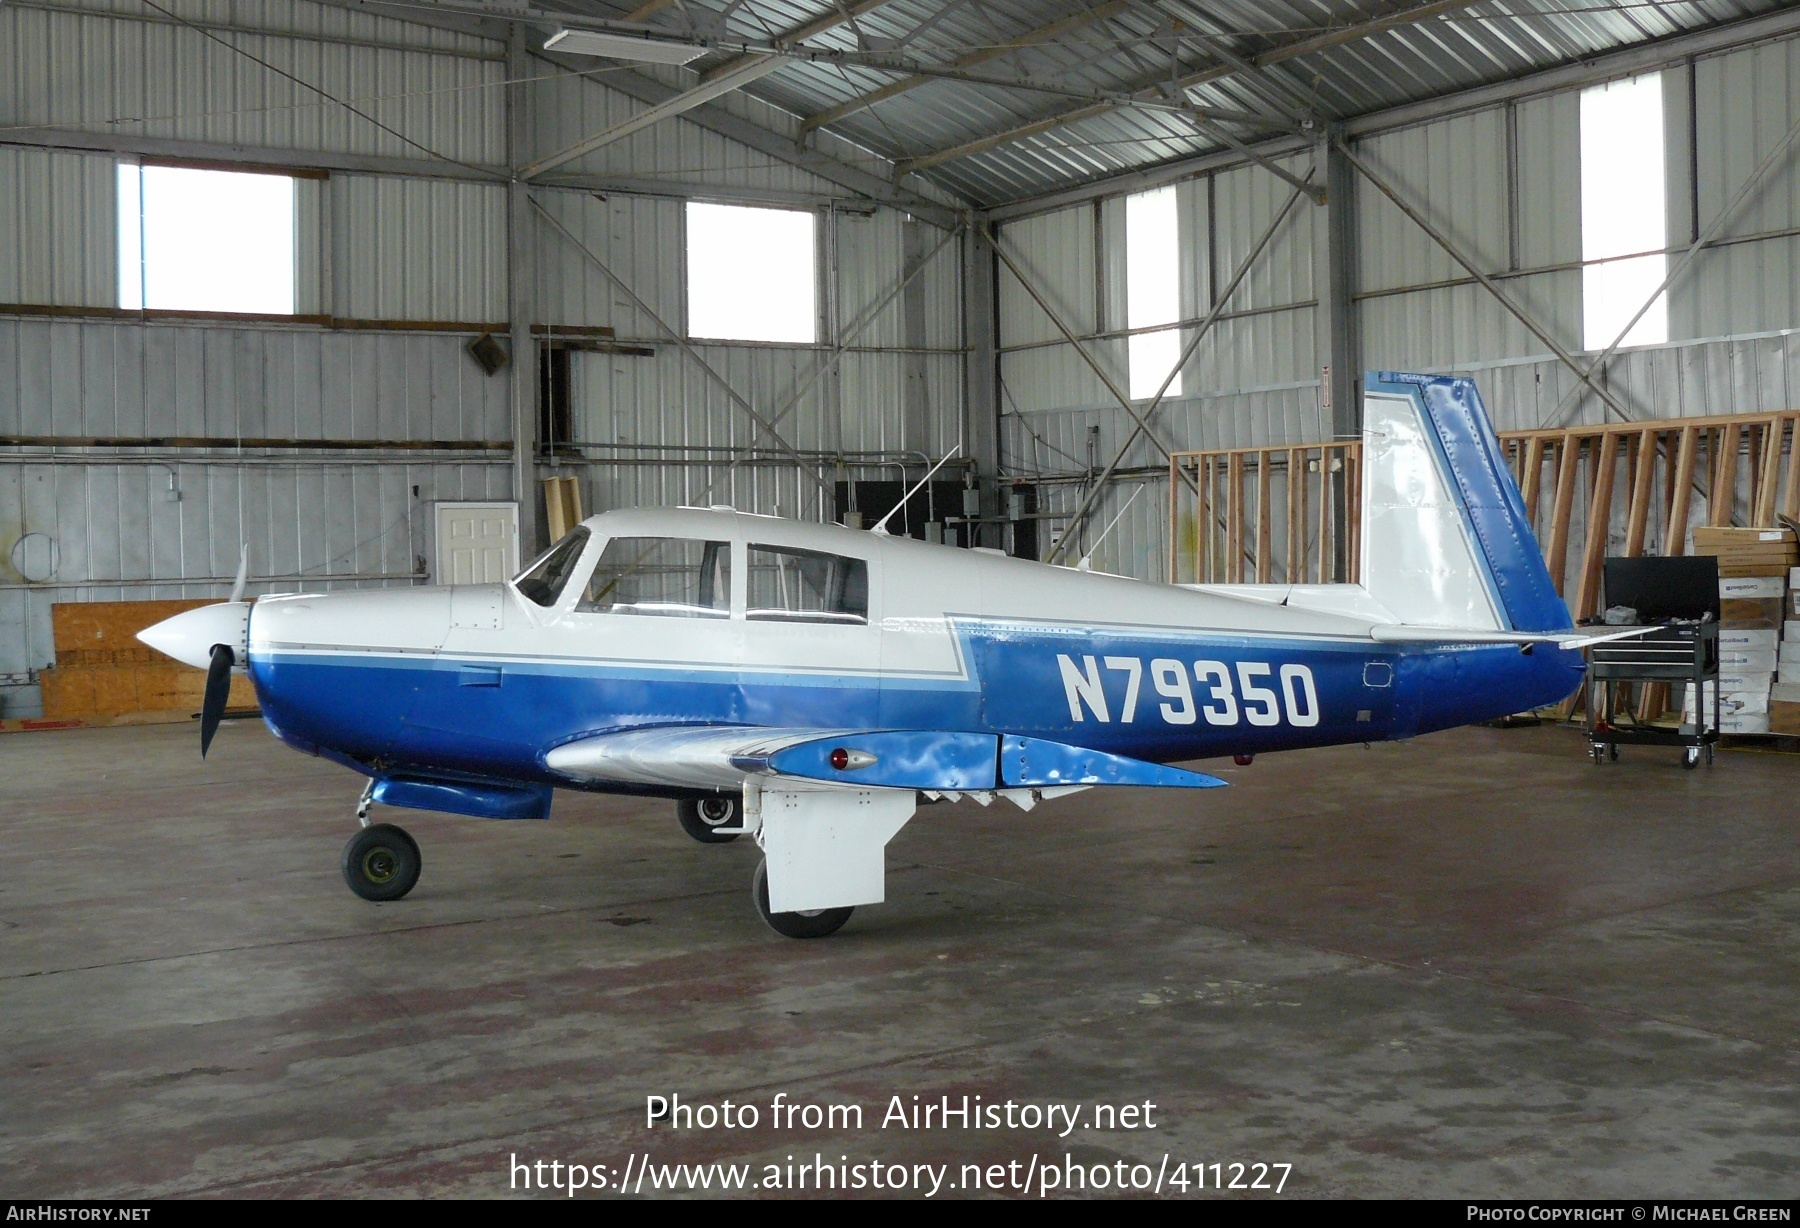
x: 840, y: 758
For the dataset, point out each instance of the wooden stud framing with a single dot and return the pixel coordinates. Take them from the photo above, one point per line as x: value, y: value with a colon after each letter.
x: 1265, y: 528
x: 1234, y: 519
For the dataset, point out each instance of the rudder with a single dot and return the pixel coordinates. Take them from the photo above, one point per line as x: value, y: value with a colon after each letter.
x: 1446, y: 540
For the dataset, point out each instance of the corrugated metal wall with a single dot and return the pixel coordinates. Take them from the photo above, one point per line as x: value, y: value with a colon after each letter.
x: 1504, y: 184
x: 67, y: 68
x: 381, y: 246
x: 166, y: 522
x: 58, y: 228
x: 1253, y: 379
x: 875, y: 406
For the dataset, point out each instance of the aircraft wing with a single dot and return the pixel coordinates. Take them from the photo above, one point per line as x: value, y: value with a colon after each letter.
x: 945, y: 761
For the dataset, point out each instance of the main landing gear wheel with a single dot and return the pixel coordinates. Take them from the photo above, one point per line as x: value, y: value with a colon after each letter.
x: 700, y: 818
x: 381, y: 862
x: 816, y: 924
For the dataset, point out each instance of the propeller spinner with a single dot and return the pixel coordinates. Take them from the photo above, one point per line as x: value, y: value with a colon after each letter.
x: 214, y: 638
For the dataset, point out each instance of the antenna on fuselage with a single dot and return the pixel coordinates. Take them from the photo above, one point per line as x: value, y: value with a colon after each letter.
x: 1087, y: 560
x: 880, y: 528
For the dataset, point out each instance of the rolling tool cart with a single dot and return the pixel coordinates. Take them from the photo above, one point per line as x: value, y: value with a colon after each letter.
x: 1680, y: 596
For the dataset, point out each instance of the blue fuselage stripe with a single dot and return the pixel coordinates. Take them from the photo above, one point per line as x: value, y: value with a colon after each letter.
x: 1165, y: 695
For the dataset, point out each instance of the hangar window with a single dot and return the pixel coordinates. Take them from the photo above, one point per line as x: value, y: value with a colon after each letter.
x: 205, y: 240
x: 673, y: 576
x: 1152, y: 290
x: 751, y: 274
x: 1622, y: 212
x: 787, y: 584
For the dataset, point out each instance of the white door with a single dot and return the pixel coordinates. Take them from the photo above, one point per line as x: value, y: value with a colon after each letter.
x: 477, y: 543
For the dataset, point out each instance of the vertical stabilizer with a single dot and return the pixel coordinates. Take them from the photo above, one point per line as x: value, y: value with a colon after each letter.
x: 1445, y: 539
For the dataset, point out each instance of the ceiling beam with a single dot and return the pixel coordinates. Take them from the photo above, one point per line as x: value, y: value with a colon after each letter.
x: 749, y: 70
x: 735, y: 73
x: 881, y: 190
x: 840, y: 16
x: 1030, y: 38
x: 1628, y: 62
x: 1287, y: 51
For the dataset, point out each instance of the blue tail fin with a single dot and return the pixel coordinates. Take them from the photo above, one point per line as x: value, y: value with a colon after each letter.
x: 1447, y: 542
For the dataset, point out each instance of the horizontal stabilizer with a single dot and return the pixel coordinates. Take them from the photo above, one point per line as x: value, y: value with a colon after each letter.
x: 1033, y: 762
x: 1468, y: 635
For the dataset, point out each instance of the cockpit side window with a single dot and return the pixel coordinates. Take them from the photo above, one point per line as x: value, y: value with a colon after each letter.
x: 675, y: 577
x: 544, y: 580
x: 792, y: 585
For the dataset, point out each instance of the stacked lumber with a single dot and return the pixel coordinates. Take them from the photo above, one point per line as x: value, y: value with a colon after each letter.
x: 105, y: 675
x: 1754, y: 567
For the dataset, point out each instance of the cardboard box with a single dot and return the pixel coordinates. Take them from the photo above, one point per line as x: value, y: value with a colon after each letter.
x: 1766, y: 613
x: 1749, y: 551
x: 1743, y: 637
x: 1731, y: 537
x: 1746, y: 681
x: 1785, y: 693
x: 1753, y: 588
x: 1729, y: 701
x: 1784, y: 717
x: 1790, y: 630
x: 1750, y: 660
x: 1739, y: 722
x: 1789, y: 653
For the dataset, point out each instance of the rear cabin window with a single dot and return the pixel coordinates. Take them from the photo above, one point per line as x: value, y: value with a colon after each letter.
x: 806, y: 586
x: 544, y: 580
x: 676, y: 577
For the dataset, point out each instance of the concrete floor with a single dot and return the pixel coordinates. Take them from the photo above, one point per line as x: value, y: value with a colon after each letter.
x: 1470, y: 965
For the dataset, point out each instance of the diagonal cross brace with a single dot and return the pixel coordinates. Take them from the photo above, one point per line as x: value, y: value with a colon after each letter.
x: 1774, y: 158
x: 1092, y: 498
x: 1092, y: 362
x: 686, y: 348
x: 1487, y: 283
x: 855, y: 330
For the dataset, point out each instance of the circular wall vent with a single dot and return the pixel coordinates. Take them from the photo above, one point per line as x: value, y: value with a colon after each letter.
x: 35, y: 557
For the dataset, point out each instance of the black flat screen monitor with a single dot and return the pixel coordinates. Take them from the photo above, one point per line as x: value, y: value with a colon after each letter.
x: 1662, y: 589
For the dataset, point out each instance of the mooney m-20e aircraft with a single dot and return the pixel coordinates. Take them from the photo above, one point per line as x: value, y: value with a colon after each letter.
x: 805, y: 684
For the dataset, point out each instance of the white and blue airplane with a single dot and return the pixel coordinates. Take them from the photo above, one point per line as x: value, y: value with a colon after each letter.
x: 806, y: 684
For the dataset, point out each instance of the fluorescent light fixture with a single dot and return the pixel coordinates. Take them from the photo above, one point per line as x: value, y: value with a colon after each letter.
x: 622, y: 47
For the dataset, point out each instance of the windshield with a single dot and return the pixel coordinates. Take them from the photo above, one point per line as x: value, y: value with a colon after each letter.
x: 543, y: 581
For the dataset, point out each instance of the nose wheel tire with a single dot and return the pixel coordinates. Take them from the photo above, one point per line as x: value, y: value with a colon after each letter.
x: 816, y: 924
x: 381, y: 862
x: 700, y: 818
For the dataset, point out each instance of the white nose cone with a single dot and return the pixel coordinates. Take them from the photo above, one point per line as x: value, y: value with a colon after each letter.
x: 189, y: 637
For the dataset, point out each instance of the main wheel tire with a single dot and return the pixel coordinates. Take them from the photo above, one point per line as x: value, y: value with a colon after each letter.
x: 700, y: 818
x: 817, y: 924
x: 381, y: 862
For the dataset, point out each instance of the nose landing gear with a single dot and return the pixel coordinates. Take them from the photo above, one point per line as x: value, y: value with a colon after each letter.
x: 381, y: 862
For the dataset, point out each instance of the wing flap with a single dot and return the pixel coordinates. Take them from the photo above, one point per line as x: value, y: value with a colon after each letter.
x: 1034, y: 762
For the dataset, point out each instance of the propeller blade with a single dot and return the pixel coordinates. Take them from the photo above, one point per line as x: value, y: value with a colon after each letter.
x: 243, y: 571
x: 218, y: 689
